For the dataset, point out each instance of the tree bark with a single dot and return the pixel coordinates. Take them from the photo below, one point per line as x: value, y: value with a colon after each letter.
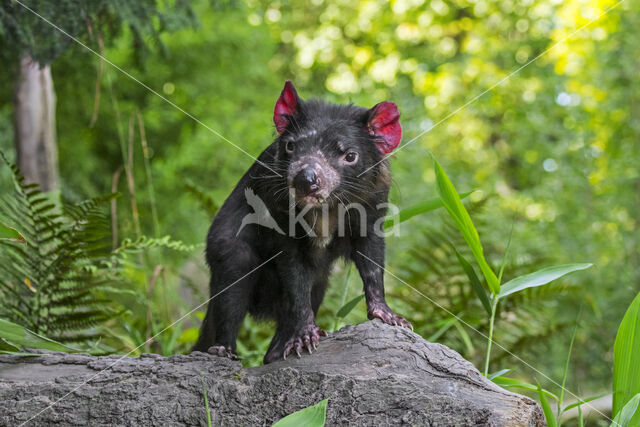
x: 373, y: 373
x: 35, y: 124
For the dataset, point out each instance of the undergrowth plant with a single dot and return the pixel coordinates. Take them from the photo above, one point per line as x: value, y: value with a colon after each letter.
x: 60, y: 277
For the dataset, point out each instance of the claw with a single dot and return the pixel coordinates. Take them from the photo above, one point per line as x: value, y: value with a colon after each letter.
x: 315, y: 347
x: 298, y: 353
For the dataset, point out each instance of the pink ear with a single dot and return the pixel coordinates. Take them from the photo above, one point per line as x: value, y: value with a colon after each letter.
x: 286, y: 106
x: 384, y: 123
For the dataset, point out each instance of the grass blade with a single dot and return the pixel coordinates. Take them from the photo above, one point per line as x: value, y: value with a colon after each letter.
x: 463, y: 222
x: 546, y: 408
x: 346, y: 309
x: 513, y: 383
x: 582, y: 402
x: 206, y: 401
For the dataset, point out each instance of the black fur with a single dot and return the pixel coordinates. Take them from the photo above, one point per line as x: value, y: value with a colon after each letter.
x: 290, y: 288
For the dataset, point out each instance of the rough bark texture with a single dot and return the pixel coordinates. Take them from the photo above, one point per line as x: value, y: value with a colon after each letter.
x: 375, y: 374
x: 35, y: 125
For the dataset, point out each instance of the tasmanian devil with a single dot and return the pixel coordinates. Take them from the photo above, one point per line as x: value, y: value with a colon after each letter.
x: 316, y: 194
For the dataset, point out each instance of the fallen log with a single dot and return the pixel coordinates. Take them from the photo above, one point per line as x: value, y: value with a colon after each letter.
x: 374, y: 374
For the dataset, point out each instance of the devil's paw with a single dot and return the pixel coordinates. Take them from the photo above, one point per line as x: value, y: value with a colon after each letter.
x: 306, y: 338
x: 383, y: 312
x: 222, y: 351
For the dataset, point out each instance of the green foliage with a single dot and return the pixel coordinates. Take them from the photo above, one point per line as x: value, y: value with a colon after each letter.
x: 313, y: 416
x: 58, y: 281
x: 24, y: 31
x: 626, y: 369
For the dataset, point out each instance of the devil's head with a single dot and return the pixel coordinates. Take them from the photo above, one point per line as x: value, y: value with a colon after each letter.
x: 333, y: 153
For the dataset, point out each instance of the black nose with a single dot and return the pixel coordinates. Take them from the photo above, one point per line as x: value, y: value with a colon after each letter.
x: 306, y: 182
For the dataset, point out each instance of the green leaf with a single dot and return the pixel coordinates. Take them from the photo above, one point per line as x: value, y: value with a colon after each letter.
x: 461, y: 217
x: 626, y: 367
x: 546, y: 408
x: 475, y: 282
x: 510, y: 382
x: 21, y: 337
x: 346, y: 309
x: 628, y: 413
x: 417, y: 209
x: 313, y: 416
x: 539, y: 278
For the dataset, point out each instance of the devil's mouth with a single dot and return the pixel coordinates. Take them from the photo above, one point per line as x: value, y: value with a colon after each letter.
x: 313, y: 200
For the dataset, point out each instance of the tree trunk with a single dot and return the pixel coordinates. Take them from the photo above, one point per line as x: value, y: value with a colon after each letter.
x: 35, y: 124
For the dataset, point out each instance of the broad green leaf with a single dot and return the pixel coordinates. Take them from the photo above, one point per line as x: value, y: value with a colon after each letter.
x: 546, y: 408
x: 628, y: 413
x: 346, y: 309
x: 475, y: 282
x: 582, y: 402
x: 510, y: 382
x: 539, y: 278
x: 21, y: 337
x: 313, y: 416
x: 461, y: 217
x: 626, y: 359
x: 417, y: 209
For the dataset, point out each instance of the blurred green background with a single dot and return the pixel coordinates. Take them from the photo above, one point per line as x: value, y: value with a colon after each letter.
x: 554, y: 149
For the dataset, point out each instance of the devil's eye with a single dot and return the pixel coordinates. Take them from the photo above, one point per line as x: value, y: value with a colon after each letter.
x: 351, y: 157
x: 289, y: 147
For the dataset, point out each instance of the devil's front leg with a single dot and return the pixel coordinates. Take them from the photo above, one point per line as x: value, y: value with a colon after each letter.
x: 296, y: 330
x: 368, y: 255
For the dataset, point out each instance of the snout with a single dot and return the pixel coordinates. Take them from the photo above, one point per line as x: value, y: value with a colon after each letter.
x: 306, y: 182
x: 312, y: 179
